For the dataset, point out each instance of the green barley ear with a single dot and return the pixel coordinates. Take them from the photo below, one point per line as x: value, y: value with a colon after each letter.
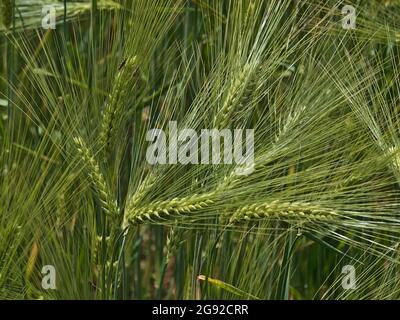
x: 108, y: 204
x: 173, y: 240
x: 7, y: 12
x: 299, y: 211
x: 113, y: 112
x: 141, y: 191
x: 239, y: 90
x: 169, y: 209
x: 172, y: 244
x: 137, y: 197
x: 287, y: 126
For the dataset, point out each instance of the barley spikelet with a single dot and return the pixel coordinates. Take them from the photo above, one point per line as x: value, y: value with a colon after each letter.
x: 114, y: 109
x: 32, y: 260
x: 168, y: 209
x: 141, y: 191
x: 284, y: 210
x: 291, y: 120
x: 172, y: 244
x: 393, y: 152
x: 173, y: 240
x: 7, y: 12
x: 233, y: 179
x: 97, y: 248
x: 108, y: 204
x: 237, y: 91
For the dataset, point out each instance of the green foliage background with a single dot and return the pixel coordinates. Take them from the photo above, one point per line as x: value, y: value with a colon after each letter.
x: 77, y: 193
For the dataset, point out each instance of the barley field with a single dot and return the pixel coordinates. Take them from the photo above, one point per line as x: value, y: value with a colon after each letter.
x: 110, y: 187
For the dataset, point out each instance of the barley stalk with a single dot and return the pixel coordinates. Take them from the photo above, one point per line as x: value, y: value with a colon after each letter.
x: 303, y: 211
x: 113, y: 111
x: 108, y: 204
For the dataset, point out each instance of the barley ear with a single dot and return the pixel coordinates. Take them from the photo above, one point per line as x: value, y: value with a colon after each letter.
x: 141, y: 191
x: 108, y: 204
x: 393, y: 152
x: 291, y: 211
x: 236, y: 93
x: 169, y: 209
x: 173, y: 240
x: 135, y: 199
x: 113, y: 112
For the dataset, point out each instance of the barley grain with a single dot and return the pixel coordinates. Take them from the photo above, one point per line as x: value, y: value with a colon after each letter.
x: 173, y: 241
x: 7, y: 12
x: 168, y: 209
x: 123, y: 83
x: 108, y: 204
x: 237, y: 91
x: 303, y: 211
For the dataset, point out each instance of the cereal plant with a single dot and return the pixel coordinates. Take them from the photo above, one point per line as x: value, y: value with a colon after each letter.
x: 199, y: 149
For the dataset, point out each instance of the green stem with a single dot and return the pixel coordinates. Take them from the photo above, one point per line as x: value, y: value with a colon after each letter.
x: 65, y: 20
x: 92, y: 49
x: 283, y: 288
